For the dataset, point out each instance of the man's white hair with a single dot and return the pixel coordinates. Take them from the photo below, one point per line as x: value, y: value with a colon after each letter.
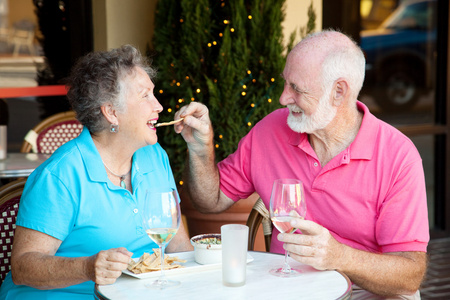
x: 343, y: 59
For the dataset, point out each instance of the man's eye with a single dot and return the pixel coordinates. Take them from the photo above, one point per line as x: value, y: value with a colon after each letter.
x: 294, y: 87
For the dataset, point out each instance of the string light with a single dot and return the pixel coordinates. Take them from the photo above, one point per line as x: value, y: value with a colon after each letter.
x: 269, y: 100
x: 249, y: 72
x: 232, y: 29
x: 161, y: 91
x: 198, y: 91
x: 214, y: 43
x: 192, y: 99
x: 178, y: 84
x: 221, y: 34
x: 252, y: 105
x: 187, y: 77
x: 243, y: 93
x: 209, y: 45
x: 181, y: 20
x: 217, y: 145
x: 226, y: 22
x: 169, y: 110
x: 181, y: 182
x: 249, y: 124
x: 249, y: 17
x: 181, y: 100
x: 244, y: 86
x: 272, y: 79
x: 220, y: 136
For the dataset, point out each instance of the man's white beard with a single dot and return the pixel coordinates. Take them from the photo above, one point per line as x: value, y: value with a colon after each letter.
x: 320, y: 119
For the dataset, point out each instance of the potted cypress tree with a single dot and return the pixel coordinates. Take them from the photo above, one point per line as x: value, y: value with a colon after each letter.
x: 227, y: 55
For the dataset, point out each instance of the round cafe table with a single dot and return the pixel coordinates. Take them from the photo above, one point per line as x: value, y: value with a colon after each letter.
x: 205, y: 282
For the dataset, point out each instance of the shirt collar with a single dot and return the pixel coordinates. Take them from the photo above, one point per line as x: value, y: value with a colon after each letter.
x: 93, y: 161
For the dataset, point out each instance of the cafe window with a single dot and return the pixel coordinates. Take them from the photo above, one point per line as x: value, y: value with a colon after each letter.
x: 405, y: 43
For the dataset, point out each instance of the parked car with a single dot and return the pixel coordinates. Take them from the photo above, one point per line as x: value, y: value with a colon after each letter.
x: 400, y: 55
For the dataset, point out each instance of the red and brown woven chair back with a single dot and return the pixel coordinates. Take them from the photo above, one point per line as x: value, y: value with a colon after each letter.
x: 9, y: 205
x: 259, y: 215
x: 51, y: 133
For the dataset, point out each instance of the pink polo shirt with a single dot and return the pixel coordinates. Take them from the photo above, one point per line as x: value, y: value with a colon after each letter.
x: 371, y: 196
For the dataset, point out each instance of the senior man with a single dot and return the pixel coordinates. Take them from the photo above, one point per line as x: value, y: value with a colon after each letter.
x: 364, y: 181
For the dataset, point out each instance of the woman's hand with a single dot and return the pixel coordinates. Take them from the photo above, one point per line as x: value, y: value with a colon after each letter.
x: 106, y: 266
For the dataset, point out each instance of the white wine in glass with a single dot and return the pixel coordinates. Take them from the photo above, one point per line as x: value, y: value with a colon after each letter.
x: 287, y: 201
x: 161, y: 219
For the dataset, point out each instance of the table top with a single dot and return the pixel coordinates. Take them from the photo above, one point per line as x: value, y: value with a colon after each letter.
x: 20, y: 164
x: 313, y: 284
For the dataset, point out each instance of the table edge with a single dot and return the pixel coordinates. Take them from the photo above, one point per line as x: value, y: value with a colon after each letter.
x: 347, y: 295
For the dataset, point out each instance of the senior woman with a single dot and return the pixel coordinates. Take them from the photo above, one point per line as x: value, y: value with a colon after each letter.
x: 78, y: 222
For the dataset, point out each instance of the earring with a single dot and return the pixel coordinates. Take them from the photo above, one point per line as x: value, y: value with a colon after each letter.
x: 114, y: 128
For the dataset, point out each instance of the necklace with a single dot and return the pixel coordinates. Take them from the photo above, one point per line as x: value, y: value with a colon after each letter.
x: 122, y: 177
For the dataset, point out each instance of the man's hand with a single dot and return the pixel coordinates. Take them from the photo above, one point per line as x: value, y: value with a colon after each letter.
x: 386, y: 274
x: 106, y: 266
x: 315, y: 246
x: 196, y: 127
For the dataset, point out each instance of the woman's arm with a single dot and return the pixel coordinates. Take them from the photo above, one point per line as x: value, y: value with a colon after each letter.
x: 180, y: 242
x: 34, y: 263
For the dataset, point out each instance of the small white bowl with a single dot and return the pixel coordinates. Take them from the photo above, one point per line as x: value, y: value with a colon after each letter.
x: 207, y: 253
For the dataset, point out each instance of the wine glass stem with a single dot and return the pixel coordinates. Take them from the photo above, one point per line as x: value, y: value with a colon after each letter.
x: 162, y: 249
x: 286, y: 267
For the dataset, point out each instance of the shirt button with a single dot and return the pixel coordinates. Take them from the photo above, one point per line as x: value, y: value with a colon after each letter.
x: 135, y: 210
x: 316, y: 164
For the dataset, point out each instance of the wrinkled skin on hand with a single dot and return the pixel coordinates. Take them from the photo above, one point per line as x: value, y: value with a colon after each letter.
x: 106, y: 266
x: 196, y: 127
x: 315, y: 246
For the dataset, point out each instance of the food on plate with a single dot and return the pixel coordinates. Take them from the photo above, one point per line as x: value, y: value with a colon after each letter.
x: 152, y: 262
x: 209, y: 239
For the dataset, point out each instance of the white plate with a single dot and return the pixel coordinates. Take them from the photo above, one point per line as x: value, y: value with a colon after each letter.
x: 189, y: 266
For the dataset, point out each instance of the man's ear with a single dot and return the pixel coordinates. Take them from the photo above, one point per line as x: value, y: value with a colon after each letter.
x: 110, y: 113
x: 340, y: 91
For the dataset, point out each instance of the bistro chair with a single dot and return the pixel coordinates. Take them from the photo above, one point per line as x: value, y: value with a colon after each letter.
x: 10, y: 195
x: 259, y: 215
x: 51, y: 133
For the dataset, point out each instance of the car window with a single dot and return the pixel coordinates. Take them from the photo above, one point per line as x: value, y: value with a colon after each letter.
x: 415, y: 16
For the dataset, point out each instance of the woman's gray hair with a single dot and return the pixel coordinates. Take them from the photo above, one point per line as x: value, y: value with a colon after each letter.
x: 99, y: 78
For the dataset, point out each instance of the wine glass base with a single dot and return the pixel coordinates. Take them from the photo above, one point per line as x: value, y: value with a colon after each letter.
x: 280, y: 272
x: 162, y: 284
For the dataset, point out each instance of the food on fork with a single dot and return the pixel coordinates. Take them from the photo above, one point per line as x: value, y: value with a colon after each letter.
x: 152, y: 262
x: 169, y: 123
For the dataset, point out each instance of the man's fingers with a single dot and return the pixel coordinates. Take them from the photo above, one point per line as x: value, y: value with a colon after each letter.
x: 195, y: 109
x: 306, y: 226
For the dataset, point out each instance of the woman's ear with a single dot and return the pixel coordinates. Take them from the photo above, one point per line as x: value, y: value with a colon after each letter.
x: 110, y: 113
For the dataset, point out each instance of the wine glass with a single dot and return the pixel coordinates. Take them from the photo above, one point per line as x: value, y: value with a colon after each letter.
x: 287, y: 201
x: 161, y: 218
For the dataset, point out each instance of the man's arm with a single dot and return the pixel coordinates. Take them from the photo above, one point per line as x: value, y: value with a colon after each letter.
x: 201, y: 173
x: 388, y: 274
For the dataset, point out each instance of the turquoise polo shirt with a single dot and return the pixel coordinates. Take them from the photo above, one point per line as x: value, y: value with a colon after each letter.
x: 70, y: 197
